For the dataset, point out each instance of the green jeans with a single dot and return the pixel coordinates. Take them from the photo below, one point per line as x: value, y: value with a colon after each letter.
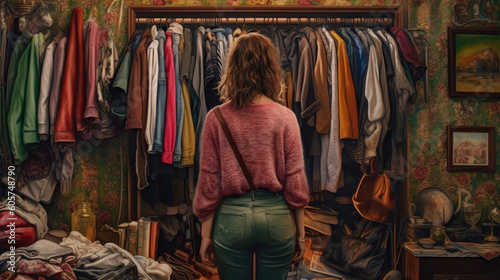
x: 257, y: 222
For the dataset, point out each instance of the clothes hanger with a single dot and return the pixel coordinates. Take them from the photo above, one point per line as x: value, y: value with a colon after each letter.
x: 243, y: 27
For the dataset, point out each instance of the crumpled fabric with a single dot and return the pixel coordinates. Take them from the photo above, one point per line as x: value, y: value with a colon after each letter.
x: 94, y: 256
x: 181, y: 270
x: 104, y: 258
x: 156, y: 270
x: 43, y: 250
x: 147, y: 270
x: 31, y: 212
x: 38, y: 267
x: 80, y: 245
x: 28, y: 270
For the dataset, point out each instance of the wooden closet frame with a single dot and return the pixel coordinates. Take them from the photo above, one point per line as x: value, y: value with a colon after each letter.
x: 397, y: 13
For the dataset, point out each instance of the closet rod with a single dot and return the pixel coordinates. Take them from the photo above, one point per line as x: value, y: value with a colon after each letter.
x: 135, y: 13
x: 281, y: 20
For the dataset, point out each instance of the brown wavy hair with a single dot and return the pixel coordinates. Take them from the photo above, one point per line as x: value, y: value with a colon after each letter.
x: 252, y: 67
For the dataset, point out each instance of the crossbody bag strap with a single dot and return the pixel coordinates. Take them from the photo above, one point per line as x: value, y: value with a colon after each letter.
x: 233, y: 146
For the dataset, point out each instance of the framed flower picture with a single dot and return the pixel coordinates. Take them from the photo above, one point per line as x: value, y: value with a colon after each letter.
x: 473, y: 62
x: 471, y: 148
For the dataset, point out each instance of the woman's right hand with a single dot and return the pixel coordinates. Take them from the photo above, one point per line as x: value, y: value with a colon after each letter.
x: 206, y: 252
x: 300, y: 249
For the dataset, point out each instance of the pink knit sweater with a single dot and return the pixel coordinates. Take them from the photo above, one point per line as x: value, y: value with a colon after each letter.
x: 268, y: 138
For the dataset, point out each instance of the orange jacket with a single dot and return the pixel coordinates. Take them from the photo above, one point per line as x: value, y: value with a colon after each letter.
x: 348, y: 110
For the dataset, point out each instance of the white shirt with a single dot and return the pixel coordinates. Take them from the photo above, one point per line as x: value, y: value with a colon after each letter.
x: 331, y: 152
x: 45, y: 86
x: 152, y: 61
x: 385, y: 91
x: 376, y: 110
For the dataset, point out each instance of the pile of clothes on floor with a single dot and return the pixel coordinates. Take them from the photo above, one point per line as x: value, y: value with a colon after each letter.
x: 76, y: 257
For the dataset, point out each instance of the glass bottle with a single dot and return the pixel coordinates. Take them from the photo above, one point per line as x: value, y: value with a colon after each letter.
x: 438, y: 234
x: 83, y: 221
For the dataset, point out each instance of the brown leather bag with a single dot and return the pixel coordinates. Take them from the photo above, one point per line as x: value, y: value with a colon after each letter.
x: 373, y: 199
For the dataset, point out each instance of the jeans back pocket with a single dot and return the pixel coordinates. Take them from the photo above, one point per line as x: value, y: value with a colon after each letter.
x: 229, y: 228
x: 280, y: 225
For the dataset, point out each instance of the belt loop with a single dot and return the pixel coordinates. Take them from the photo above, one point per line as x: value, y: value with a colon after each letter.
x: 253, y: 195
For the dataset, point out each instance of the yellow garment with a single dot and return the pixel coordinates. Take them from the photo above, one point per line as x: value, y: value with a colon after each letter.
x: 188, y: 135
x: 348, y: 108
x: 236, y: 34
x: 181, y: 47
x: 323, y: 115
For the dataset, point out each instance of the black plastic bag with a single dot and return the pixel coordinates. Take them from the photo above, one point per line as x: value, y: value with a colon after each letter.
x: 363, y: 252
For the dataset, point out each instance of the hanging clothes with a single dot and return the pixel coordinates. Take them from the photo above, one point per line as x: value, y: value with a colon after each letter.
x: 119, y: 88
x: 341, y: 84
x: 153, y: 76
x: 176, y: 30
x: 331, y: 152
x: 212, y: 77
x: 384, y: 58
x: 169, y: 136
x: 92, y: 58
x: 409, y: 53
x: 348, y: 112
x: 72, y: 96
x: 188, y: 133
x: 320, y: 77
x: 22, y: 115
x: 137, y: 106
x: 384, y: 150
x: 105, y: 129
x: 46, y: 81
x: 199, y: 88
x: 14, y: 33
x: 161, y: 97
x: 19, y: 48
x: 16, y: 45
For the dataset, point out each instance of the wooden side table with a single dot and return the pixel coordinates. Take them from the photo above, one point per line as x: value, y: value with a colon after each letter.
x: 443, y: 263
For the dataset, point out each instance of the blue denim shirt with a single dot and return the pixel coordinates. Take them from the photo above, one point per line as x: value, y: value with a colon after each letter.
x: 361, y: 58
x: 136, y: 42
x: 229, y: 35
x: 221, y: 48
x: 220, y: 35
x: 161, y: 98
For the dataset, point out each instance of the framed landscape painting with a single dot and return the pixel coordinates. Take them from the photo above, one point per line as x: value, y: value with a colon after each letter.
x: 471, y: 148
x: 473, y: 62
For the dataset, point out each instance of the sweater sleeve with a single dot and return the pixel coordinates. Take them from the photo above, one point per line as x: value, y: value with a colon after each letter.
x: 209, y: 191
x: 296, y: 191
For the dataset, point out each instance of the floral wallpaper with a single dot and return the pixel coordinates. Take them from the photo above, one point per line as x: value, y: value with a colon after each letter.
x: 428, y: 121
x: 100, y: 177
x: 97, y: 165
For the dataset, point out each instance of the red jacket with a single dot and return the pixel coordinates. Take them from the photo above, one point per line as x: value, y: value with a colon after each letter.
x: 72, y: 98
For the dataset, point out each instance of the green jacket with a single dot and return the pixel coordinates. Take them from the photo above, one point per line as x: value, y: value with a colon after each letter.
x: 22, y: 117
x: 6, y: 91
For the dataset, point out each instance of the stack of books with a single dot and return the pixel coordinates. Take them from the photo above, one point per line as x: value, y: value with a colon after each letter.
x: 141, y: 237
x: 414, y: 232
